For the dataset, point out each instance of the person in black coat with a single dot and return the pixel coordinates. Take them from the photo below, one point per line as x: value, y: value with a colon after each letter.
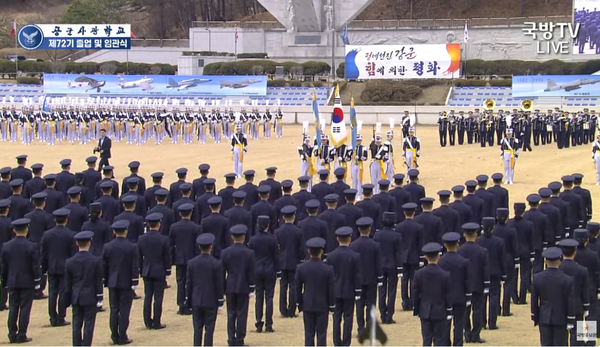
x: 400, y: 195
x: 589, y: 259
x: 291, y: 247
x: 465, y: 212
x: 186, y: 198
x: 369, y: 207
x: 202, y: 200
x: 250, y: 188
x: 57, y: 246
x: 579, y: 273
x: 334, y: 220
x: 271, y: 182
x: 322, y: 189
x: 285, y: 200
x: 390, y: 244
x: 475, y: 202
x: 174, y: 191
x: 563, y: 206
x: 526, y: 253
x: 168, y: 219
x: 340, y: 185
x: 450, y: 218
x: 6, y: 235
x: 433, y: 226
x: 576, y: 206
x: 386, y: 202
x: 19, y: 206
x: 264, y: 207
x: 150, y: 193
x: 21, y: 171
x: 512, y: 259
x: 108, y: 173
x: 302, y: 197
x: 120, y: 259
x: 416, y: 191
x: 542, y: 233
x: 155, y: 260
x: 65, y: 179
x: 134, y: 168
x: 204, y: 294
x: 315, y: 290
x: 110, y: 205
x: 136, y: 223
x: 313, y: 226
x: 79, y: 214
x: 585, y: 195
x: 103, y: 148
x: 198, y: 183
x: 133, y: 190
x: 40, y: 221
x: 351, y: 212
x: 347, y: 285
x: 371, y: 271
x: 90, y: 178
x: 267, y: 270
x: 5, y: 190
x: 412, y: 242
x: 36, y: 184
x: 183, y: 236
x: 238, y: 214
x: 218, y: 225
x: 238, y: 264
x: 83, y: 288
x: 460, y: 288
x: 20, y: 264
x: 552, y: 301
x: 501, y: 197
x: 479, y: 277
x: 555, y: 222
x: 431, y: 293
x: 489, y: 208
x: 227, y: 193
x: 100, y: 228
x: 85, y: 199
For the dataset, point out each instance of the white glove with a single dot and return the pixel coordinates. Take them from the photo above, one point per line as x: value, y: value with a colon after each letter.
x: 501, y: 282
x: 99, y: 304
x: 586, y: 313
x: 486, y: 291
x: 570, y: 326
x: 380, y: 284
x: 421, y: 264
x: 468, y: 303
x: 567, y: 234
x: 133, y: 288
x: 531, y: 260
x: 357, y: 298
x: 220, y: 308
x: 251, y: 294
x: 517, y: 266
x: 167, y: 277
x: 598, y: 295
x: 400, y: 275
x: 37, y: 286
x: 449, y: 317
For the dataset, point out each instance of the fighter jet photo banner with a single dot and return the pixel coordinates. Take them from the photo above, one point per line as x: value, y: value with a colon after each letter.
x: 153, y: 85
x: 555, y: 85
x: 399, y: 62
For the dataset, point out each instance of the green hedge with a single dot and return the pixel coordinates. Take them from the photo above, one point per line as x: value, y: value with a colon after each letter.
x: 207, y: 54
x: 252, y: 55
x: 28, y: 80
x: 245, y: 67
x: 8, y: 67
x: 383, y: 91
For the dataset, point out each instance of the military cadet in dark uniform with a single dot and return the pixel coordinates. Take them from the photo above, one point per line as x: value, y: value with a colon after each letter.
x: 475, y: 202
x: 218, y: 225
x: 168, y: 215
x: 20, y: 264
x: 416, y: 191
x: 315, y: 282
x: 108, y: 173
x: 450, y: 217
x: 266, y: 271
x: 186, y: 198
x: 183, y: 236
x: 313, y: 226
x: 334, y: 220
x: 79, y: 214
x: 433, y: 226
x: 489, y: 208
x: 593, y: 229
x: 512, y: 260
x: 576, y: 205
x: 238, y: 264
x: 526, y: 252
x: 302, y: 197
x: 390, y: 245
x: 323, y: 188
x: 584, y: 194
x: 339, y: 185
x: 542, y: 232
x: 5, y: 190
x: 132, y: 190
x: 174, y: 191
x: 383, y: 199
x: 36, y: 184
x: 479, y: 277
x: 121, y: 275
x: 351, y: 212
x: 563, y: 206
x: 57, y: 246
x: 6, y: 235
x: 460, y: 288
x: 55, y: 199
x: 202, y: 201
x: 204, y: 295
x: 40, y: 221
x: 250, y: 188
x: 83, y: 289
x: 401, y: 196
x: 91, y: 177
x: 238, y: 214
x: 65, y: 179
x: 197, y: 184
x: 149, y: 194
x: 501, y: 198
x: 465, y: 212
x: 285, y: 200
x: 432, y: 296
x: 264, y: 207
x: 589, y: 259
x: 369, y: 207
x: 347, y: 286
x: 579, y: 273
x: 497, y: 257
x: 21, y: 171
x: 371, y: 271
x: 155, y: 257
x: 291, y: 247
x: 110, y: 205
x: 19, y: 206
x: 85, y: 199
x: 136, y: 223
x: 411, y: 233
x: 553, y: 214
x: 226, y: 193
x: 271, y: 182
x: 552, y: 301
x: 134, y: 168
x: 100, y: 228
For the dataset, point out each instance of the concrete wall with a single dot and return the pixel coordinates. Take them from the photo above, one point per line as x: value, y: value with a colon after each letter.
x: 150, y: 55
x: 189, y: 65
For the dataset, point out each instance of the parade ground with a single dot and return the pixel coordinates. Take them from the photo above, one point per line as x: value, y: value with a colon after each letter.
x: 441, y: 168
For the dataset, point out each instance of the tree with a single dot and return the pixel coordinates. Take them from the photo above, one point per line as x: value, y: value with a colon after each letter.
x: 95, y: 12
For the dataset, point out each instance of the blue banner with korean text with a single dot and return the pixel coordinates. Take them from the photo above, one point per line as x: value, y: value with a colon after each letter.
x: 402, y: 61
x: 555, y: 85
x: 155, y: 85
x: 75, y: 36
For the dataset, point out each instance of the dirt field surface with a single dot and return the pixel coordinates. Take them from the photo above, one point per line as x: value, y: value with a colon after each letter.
x: 441, y: 168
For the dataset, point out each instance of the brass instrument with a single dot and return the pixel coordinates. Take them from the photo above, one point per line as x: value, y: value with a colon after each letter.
x: 489, y: 104
x: 526, y: 105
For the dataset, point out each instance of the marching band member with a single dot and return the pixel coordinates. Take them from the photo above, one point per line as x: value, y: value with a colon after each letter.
x: 239, y: 145
x: 596, y: 157
x: 443, y: 128
x: 509, y: 152
x: 360, y: 156
x: 411, y: 150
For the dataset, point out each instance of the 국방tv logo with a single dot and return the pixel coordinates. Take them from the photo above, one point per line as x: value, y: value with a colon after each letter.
x: 586, y: 331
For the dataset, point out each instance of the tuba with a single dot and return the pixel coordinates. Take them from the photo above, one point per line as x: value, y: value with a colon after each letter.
x: 489, y: 104
x: 526, y: 105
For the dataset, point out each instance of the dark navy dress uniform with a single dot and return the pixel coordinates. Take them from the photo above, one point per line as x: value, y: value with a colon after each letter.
x: 20, y: 264
x: 140, y: 202
x: 347, y: 288
x: 526, y: 253
x: 84, y: 290
x: 174, y: 191
x: 120, y: 259
x: 351, y: 213
x: 6, y: 234
x: 416, y: 191
x: 431, y: 293
x: 227, y: 193
x: 433, y: 226
x: 56, y: 247
x: 322, y: 189
x: 90, y: 178
x: 79, y: 214
x: 313, y: 226
x: 590, y: 260
x: 85, y: 199
x: 540, y: 226
x: 40, y: 221
x: 576, y: 206
x: 302, y: 197
x: 202, y: 200
x: 21, y: 172
x: 552, y: 302
x: 65, y: 179
x: 186, y: 190
x: 315, y: 289
x: 239, y: 215
x: 475, y: 202
x: 218, y: 225
x: 501, y: 196
x: 386, y: 202
x: 465, y: 212
x: 264, y: 208
x: 339, y: 186
x: 512, y: 259
x: 251, y: 190
x: 271, y: 182
x: 136, y: 223
x: 285, y: 200
x: 100, y: 228
x: 134, y: 166
x: 5, y: 190
x: 110, y: 205
x: 19, y: 206
x: 107, y: 170
x: 449, y: 216
x: 412, y: 242
x: 334, y: 220
x: 150, y: 193
x: 168, y: 214
x: 563, y: 206
x: 401, y: 196
x: 34, y: 185
x: 204, y: 294
x: 489, y: 208
x: 554, y: 217
x: 238, y: 264
x: 198, y: 183
x: 370, y: 208
x: 291, y: 247
x: 585, y: 195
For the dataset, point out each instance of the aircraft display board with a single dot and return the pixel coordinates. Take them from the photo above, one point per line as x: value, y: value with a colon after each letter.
x: 555, y: 85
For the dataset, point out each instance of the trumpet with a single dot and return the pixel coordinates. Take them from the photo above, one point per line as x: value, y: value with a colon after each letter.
x: 526, y: 105
x: 489, y: 104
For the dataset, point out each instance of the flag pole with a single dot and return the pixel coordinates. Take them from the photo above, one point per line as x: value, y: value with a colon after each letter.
x: 236, y: 38
x: 16, y: 51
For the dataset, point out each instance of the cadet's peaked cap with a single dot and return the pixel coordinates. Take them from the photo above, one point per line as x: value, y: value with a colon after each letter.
x: 577, y: 176
x: 79, y: 175
x: 520, y: 206
x: 263, y: 220
x: 39, y: 196
x: 185, y: 207
x: 37, y: 166
x: 96, y: 206
x: 413, y: 173
x: 239, y: 194
x: 343, y: 231
x: 157, y: 175
x: 367, y: 187
x: 545, y: 192
x: 21, y: 157
x: 323, y: 172
x: 458, y: 189
x: 568, y: 243
x: 593, y: 226
x: 451, y: 237
x: 470, y: 228
x: 288, y: 210
x: 555, y: 186
x: 239, y: 229
x: 205, y: 239
x: 502, y: 212
x: 552, y: 253
x: 471, y: 183
x: 287, y: 184
x: 129, y: 198
x: 271, y: 169
x: 181, y: 171
x: 5, y: 170
x: 331, y: 198
x: 108, y: 168
x: 409, y: 206
x: 312, y: 203
x: 303, y: 179
x: 21, y: 222
x: 351, y: 192
x: 340, y: 171
x: 154, y: 217
x: 384, y: 183
x: 74, y: 190
x: 315, y: 242
x: 482, y: 178
x: 444, y: 193
x: 209, y: 181
x: 120, y: 225
x: 83, y: 235
x: 91, y: 160
x: 567, y: 179
x: 203, y: 167
x: 16, y: 183
x: 580, y: 234
x: 161, y: 192
x: 215, y: 200
x: 61, y: 212
x: 4, y: 203
x: 389, y: 216
x: 488, y: 221
x: 364, y: 222
x: 399, y: 177
x: 134, y: 165
x: 533, y: 198
x: 133, y: 180
x: 185, y: 186
x: 249, y: 173
x: 431, y: 248
x: 65, y: 162
x: 427, y: 200
x: 497, y: 176
x: 263, y: 189
x: 229, y: 175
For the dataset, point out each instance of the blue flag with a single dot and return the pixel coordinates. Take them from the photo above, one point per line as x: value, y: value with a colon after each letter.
x: 45, y: 106
x: 315, y: 107
x: 345, y: 35
x: 353, y: 123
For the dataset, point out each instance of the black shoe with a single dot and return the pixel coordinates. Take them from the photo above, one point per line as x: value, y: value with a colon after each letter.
x: 259, y: 327
x: 159, y: 327
x: 493, y: 328
x: 391, y: 321
x: 12, y: 339
x: 168, y: 286
x: 23, y: 339
x: 269, y: 330
x: 101, y: 309
x: 507, y: 314
x: 125, y: 342
x: 3, y: 308
x: 62, y: 323
x: 136, y: 297
x: 479, y: 340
